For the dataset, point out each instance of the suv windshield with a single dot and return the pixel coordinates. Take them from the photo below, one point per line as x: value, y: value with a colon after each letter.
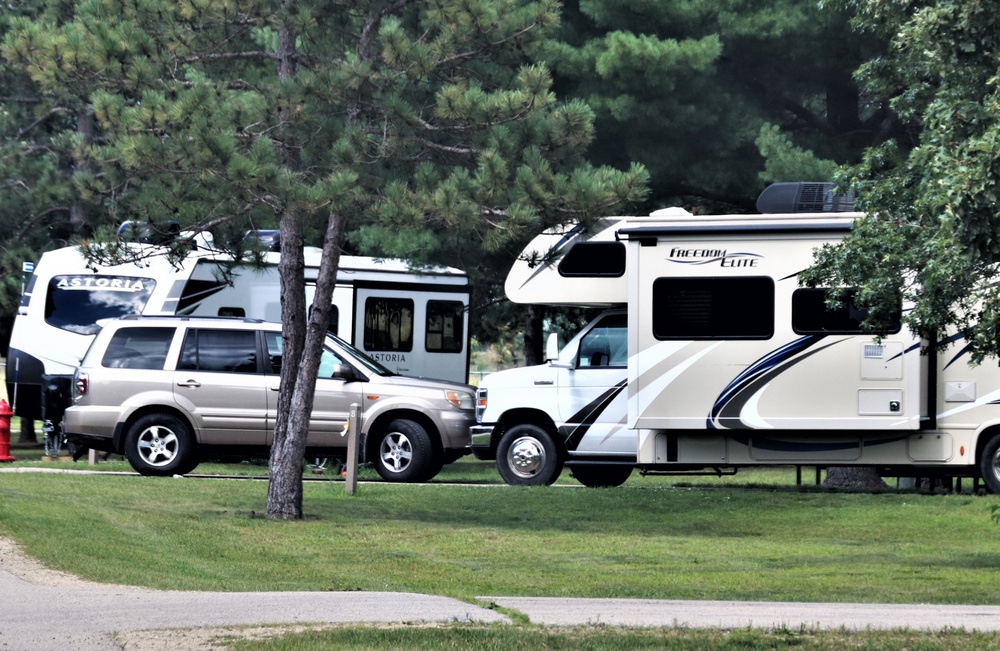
x: 361, y: 357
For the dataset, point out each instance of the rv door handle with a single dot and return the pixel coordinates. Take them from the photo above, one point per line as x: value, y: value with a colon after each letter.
x: 544, y: 382
x: 192, y: 384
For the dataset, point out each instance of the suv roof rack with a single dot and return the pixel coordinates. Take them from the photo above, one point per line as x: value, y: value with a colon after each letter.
x: 185, y: 317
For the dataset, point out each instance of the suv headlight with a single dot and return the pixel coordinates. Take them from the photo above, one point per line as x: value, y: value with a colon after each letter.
x: 460, y: 399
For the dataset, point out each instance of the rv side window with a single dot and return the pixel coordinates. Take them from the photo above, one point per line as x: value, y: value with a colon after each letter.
x: 389, y: 324
x: 445, y: 321
x: 333, y: 321
x: 811, y: 316
x: 594, y: 260
x: 227, y: 351
x: 144, y: 348
x: 606, y: 345
x: 76, y: 303
x: 713, y: 308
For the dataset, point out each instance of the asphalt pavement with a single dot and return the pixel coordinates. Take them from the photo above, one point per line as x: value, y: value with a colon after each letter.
x: 83, y: 617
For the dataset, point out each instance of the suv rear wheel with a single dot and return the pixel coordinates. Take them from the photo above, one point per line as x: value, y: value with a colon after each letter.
x: 404, y: 452
x: 161, y: 445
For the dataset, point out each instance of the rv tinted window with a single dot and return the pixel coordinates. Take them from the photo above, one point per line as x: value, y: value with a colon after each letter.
x: 713, y: 308
x: 333, y: 320
x: 229, y: 351
x: 76, y: 303
x: 389, y: 324
x: 811, y: 316
x: 444, y: 326
x: 594, y: 260
x: 144, y: 348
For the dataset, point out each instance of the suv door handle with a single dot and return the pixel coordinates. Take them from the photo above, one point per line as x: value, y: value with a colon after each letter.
x: 194, y: 384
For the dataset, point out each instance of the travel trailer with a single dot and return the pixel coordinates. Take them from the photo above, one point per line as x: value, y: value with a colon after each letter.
x: 412, y: 321
x: 716, y: 359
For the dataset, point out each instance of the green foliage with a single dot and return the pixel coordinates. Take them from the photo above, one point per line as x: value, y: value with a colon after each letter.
x: 783, y: 161
x: 689, y: 89
x: 931, y: 193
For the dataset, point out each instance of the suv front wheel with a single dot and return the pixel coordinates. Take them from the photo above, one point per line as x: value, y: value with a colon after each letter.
x: 404, y: 452
x: 161, y: 445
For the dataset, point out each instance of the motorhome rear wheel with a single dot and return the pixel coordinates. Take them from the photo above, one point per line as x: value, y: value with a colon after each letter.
x: 602, y: 476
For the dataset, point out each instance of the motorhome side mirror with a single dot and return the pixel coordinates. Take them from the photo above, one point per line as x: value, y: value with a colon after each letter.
x: 552, y: 346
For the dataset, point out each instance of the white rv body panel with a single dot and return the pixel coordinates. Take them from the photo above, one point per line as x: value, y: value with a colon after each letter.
x: 47, y: 340
x: 731, y: 363
x: 734, y: 377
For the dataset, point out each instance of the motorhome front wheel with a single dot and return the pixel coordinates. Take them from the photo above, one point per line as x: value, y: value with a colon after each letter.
x: 527, y: 456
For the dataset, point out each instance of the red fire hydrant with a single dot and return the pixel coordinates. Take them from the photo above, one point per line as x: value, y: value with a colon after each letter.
x: 5, y: 414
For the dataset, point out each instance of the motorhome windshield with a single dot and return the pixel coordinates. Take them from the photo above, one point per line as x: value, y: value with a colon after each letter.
x: 77, y: 302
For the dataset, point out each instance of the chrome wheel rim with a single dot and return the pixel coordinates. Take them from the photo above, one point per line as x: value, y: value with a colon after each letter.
x: 526, y: 457
x: 157, y: 446
x: 396, y: 452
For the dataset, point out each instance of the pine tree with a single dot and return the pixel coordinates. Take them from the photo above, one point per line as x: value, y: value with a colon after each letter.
x: 420, y: 125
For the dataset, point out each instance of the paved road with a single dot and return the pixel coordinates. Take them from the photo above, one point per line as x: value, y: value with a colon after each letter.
x: 81, y: 617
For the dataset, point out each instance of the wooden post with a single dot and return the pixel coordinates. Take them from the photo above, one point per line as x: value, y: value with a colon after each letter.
x: 353, y: 435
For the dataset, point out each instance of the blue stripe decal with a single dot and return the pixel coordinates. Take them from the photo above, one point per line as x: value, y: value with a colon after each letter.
x: 725, y: 412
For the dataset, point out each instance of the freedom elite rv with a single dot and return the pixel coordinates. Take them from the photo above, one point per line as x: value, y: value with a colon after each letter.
x: 413, y: 322
x: 713, y: 358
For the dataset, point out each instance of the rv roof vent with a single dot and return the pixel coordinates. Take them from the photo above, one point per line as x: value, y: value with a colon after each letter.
x: 269, y: 239
x: 803, y: 196
x: 673, y: 211
x: 147, y: 233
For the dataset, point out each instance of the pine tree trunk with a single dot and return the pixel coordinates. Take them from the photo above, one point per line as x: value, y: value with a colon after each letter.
x: 534, y: 347
x: 854, y: 477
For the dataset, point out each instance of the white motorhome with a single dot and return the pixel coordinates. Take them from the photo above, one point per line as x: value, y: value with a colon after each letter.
x: 718, y: 359
x: 412, y: 321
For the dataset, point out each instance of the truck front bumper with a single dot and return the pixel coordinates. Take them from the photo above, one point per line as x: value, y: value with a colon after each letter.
x: 482, y: 442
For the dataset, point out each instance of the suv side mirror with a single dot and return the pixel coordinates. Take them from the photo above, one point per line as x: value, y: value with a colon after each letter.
x: 346, y: 372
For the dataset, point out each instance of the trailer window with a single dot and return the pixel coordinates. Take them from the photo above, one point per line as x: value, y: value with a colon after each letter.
x: 445, y: 321
x: 812, y: 316
x: 227, y: 351
x: 76, y: 303
x: 332, y: 321
x: 594, y: 260
x: 713, y: 308
x: 389, y: 324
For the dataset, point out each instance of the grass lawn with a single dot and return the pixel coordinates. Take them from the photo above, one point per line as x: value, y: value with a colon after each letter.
x: 751, y: 536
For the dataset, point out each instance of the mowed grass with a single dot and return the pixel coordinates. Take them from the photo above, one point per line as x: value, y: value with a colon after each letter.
x: 646, y: 541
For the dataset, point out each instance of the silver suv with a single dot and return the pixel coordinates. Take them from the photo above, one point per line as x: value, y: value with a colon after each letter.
x: 168, y: 392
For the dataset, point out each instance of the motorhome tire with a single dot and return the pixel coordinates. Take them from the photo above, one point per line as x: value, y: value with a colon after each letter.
x: 989, y: 464
x: 602, y: 476
x: 404, y: 453
x: 527, y: 456
x: 160, y: 445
